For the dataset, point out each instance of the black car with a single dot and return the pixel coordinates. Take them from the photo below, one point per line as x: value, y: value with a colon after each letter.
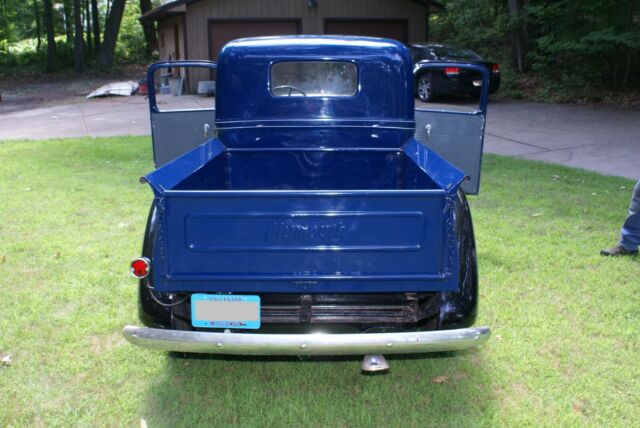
x: 450, y: 80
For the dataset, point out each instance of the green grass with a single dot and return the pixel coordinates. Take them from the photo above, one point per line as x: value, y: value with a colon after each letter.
x: 565, y: 348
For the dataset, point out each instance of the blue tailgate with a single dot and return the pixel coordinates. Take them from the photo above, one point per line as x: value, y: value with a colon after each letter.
x: 305, y: 221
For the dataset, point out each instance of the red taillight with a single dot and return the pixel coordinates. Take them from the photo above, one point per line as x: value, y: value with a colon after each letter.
x: 451, y: 71
x: 140, y: 267
x: 495, y: 68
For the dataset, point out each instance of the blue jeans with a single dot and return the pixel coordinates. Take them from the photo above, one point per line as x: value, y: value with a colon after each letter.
x: 630, y: 233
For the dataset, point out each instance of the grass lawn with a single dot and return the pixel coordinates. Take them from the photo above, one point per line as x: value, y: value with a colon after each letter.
x: 565, y: 348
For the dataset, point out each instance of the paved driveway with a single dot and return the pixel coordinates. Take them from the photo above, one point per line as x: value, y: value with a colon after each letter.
x: 596, y: 138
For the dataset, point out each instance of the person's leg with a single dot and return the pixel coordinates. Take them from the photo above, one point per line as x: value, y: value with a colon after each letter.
x: 630, y: 233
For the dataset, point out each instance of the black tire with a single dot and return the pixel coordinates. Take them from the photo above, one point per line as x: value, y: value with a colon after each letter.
x: 459, y: 308
x: 424, y: 88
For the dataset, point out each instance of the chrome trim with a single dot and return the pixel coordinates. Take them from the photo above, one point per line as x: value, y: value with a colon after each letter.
x: 306, y: 344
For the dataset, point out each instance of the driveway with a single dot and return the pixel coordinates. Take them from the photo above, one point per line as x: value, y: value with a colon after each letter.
x: 600, y: 139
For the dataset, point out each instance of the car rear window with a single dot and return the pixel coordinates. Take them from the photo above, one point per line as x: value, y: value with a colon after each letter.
x: 456, y: 53
x: 314, y: 79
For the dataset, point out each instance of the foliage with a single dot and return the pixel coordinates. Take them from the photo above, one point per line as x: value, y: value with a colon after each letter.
x: 18, y: 38
x: 131, y: 42
x: 25, y: 54
x: 564, y: 350
x: 574, y: 47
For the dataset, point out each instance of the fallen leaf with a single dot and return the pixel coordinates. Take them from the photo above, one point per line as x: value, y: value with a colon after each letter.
x: 578, y: 406
x: 5, y: 359
x: 594, y: 194
x: 623, y: 187
x: 556, y: 177
x: 440, y: 379
x: 4, y: 258
x: 536, y: 214
x: 27, y: 189
x: 58, y: 255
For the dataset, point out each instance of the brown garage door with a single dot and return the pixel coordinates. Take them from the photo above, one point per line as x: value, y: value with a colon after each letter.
x: 389, y: 28
x: 222, y: 32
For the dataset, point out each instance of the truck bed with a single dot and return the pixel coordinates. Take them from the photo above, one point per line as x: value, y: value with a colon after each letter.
x: 309, y: 170
x: 313, y: 221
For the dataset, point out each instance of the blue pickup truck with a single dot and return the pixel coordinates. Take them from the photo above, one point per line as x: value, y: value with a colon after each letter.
x: 313, y: 211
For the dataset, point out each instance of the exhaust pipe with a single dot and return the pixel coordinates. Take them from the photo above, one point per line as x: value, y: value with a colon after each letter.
x: 374, y: 364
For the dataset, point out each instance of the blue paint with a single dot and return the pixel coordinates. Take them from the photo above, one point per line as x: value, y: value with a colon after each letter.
x: 308, y: 194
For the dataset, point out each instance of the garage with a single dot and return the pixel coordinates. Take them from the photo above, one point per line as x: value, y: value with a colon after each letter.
x: 198, y: 29
x: 389, y: 28
x: 222, y: 31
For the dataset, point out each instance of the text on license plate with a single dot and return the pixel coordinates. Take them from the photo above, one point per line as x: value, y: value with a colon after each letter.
x: 225, y: 311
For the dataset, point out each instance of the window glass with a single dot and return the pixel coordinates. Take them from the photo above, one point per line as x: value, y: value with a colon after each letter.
x: 314, y: 79
x: 453, y: 53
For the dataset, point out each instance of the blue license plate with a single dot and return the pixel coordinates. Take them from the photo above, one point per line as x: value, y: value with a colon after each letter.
x: 225, y: 311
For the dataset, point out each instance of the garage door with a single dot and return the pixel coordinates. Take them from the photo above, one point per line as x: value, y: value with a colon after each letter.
x: 389, y: 28
x: 222, y: 32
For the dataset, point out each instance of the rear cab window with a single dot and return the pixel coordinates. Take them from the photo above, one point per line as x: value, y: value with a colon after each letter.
x: 314, y: 79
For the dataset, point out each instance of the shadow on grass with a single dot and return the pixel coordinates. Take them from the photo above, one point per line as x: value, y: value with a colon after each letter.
x: 446, y: 388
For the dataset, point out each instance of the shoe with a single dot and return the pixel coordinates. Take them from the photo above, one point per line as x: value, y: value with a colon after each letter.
x: 618, y: 250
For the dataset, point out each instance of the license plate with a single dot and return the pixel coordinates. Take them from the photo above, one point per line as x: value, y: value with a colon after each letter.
x: 225, y: 311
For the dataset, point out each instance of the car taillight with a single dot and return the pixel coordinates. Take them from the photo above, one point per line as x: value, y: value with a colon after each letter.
x: 495, y: 68
x: 140, y: 267
x: 451, y: 71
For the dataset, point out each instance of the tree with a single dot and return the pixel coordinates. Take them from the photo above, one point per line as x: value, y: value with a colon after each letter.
x: 36, y: 16
x: 78, y: 39
x: 149, y: 29
x: 68, y: 21
x: 519, y: 35
x: 96, y: 25
x: 87, y: 16
x: 111, y: 30
x: 51, y: 37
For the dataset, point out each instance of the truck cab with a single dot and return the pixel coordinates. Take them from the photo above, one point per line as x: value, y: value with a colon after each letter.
x: 317, y: 213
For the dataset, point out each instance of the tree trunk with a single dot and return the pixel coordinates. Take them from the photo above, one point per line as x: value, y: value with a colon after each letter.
x: 36, y: 16
x: 51, y: 39
x: 68, y: 21
x: 627, y: 67
x: 78, y: 39
x: 5, y: 28
x: 111, y: 30
x: 516, y: 35
x: 95, y: 14
x: 87, y: 20
x: 149, y: 29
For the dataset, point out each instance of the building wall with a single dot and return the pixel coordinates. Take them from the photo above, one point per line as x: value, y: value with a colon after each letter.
x: 166, y: 38
x: 199, y: 13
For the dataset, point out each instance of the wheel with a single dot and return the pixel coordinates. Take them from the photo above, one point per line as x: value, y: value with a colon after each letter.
x: 459, y: 308
x: 425, y: 88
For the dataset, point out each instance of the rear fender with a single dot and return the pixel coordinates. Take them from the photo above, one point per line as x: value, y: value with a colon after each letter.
x: 459, y: 308
x: 150, y: 313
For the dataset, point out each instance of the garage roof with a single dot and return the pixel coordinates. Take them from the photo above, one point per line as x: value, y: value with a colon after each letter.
x: 178, y: 7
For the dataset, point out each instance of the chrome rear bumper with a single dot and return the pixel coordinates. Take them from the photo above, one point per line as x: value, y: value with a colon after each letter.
x: 306, y: 344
